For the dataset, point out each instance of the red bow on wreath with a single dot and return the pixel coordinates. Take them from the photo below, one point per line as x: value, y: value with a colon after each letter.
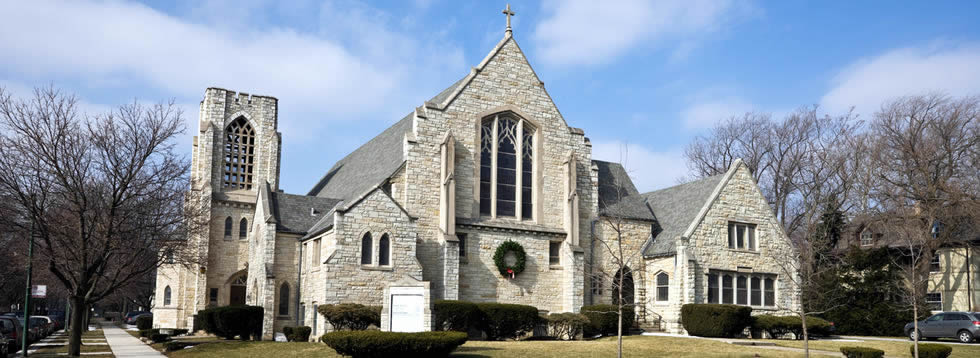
x: 511, y: 272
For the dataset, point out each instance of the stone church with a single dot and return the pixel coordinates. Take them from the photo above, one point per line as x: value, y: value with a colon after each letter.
x: 490, y: 159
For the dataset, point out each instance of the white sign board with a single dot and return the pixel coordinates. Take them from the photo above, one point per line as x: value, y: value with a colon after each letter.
x: 39, y: 291
x: 407, y: 309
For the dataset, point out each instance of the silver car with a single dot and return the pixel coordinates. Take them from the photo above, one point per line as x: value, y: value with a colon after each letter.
x: 964, y: 326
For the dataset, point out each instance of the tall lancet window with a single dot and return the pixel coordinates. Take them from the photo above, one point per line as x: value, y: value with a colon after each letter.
x: 506, y: 167
x: 239, y: 154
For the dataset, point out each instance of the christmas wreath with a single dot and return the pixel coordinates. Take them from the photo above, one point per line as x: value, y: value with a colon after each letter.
x: 501, y: 253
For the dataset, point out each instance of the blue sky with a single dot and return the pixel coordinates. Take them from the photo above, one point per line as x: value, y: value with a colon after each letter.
x: 641, y: 77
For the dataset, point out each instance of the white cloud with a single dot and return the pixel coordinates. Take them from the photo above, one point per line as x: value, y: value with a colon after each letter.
x: 867, y: 83
x: 315, y: 74
x: 584, y: 32
x: 649, y: 169
x: 705, y: 114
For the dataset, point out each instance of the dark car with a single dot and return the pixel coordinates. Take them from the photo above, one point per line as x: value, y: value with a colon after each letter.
x: 9, y: 336
x: 131, y: 316
x: 964, y: 326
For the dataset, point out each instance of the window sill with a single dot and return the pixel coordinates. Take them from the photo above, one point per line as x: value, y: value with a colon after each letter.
x: 376, y: 268
x: 744, y: 251
x: 555, y: 267
x: 281, y: 318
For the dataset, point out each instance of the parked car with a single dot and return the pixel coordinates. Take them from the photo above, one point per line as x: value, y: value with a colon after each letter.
x: 964, y: 326
x: 131, y: 316
x: 39, y: 326
x: 47, y: 324
x: 13, y: 335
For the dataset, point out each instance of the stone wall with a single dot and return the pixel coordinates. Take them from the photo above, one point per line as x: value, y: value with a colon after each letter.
x: 504, y: 82
x: 741, y: 201
x: 340, y: 277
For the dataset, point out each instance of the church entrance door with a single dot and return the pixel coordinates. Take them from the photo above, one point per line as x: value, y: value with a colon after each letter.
x: 237, y: 292
x: 627, y: 277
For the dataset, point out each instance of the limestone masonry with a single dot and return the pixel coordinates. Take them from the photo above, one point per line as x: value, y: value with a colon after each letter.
x: 428, y: 201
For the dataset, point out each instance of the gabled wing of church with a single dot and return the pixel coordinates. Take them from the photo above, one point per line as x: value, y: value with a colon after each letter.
x: 486, y: 165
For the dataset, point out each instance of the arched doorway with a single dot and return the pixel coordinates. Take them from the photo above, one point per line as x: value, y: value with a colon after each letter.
x: 627, y: 279
x: 237, y: 291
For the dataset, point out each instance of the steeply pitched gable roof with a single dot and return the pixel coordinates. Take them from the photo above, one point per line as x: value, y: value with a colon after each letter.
x: 618, y: 196
x: 297, y: 213
x: 676, y: 208
x: 366, y: 166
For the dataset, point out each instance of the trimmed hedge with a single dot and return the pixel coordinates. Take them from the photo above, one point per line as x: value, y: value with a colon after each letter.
x: 351, y: 316
x: 371, y: 344
x: 297, y: 334
x: 148, y: 332
x: 159, y: 337
x: 503, y: 320
x: 144, y: 322
x: 932, y: 350
x: 604, y: 319
x: 460, y: 316
x: 715, y: 320
x: 862, y: 352
x: 779, y: 325
x: 231, y: 321
x: 566, y: 325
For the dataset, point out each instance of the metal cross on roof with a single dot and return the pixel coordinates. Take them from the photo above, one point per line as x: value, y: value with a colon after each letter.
x: 509, y: 14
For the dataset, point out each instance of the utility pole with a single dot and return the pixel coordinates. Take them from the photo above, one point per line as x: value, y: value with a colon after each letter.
x: 27, y: 295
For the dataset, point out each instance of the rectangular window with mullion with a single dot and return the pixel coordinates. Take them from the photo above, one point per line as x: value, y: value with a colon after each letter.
x: 756, y: 291
x: 712, y: 288
x: 727, y: 290
x: 742, y: 292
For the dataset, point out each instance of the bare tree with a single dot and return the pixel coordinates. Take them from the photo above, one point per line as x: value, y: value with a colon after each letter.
x: 103, y: 196
x: 620, y: 249
x: 924, y: 155
x: 787, y: 158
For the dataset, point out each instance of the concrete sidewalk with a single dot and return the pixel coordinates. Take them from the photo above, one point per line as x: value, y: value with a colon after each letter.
x: 124, y: 345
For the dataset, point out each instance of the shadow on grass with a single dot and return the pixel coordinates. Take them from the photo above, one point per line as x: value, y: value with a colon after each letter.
x: 472, y: 352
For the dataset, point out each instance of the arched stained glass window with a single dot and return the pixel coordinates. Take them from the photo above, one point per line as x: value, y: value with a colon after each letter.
x: 166, y: 296
x: 507, y: 167
x: 239, y: 155
x: 366, y: 249
x: 384, y: 251
x: 663, y: 285
x: 243, y: 229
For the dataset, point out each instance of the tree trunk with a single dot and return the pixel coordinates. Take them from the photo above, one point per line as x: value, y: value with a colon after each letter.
x: 78, y: 313
x: 620, y: 333
x: 806, y: 337
x: 915, y: 328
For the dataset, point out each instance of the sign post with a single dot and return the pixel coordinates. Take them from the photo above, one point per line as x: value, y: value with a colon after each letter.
x: 27, y: 295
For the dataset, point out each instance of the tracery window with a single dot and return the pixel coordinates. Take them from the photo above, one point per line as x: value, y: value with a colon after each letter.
x: 507, y: 167
x: 239, y: 155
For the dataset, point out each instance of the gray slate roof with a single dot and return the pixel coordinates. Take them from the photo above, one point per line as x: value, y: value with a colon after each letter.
x: 676, y: 208
x: 293, y: 214
x: 367, y: 166
x: 618, y: 196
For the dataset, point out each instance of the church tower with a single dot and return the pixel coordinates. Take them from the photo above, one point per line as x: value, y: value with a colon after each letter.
x: 235, y: 153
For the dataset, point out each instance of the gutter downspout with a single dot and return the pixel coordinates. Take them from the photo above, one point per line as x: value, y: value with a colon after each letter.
x: 969, y: 284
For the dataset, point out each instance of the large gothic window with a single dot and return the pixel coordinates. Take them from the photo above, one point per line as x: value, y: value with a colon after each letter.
x: 239, y: 154
x: 506, y: 167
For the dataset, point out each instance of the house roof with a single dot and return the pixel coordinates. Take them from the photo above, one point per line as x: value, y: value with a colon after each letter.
x: 297, y: 213
x: 676, y: 208
x: 618, y: 196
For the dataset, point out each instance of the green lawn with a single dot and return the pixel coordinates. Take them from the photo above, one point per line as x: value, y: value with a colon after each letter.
x: 635, y: 346
x: 86, y: 348
x: 891, y: 348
